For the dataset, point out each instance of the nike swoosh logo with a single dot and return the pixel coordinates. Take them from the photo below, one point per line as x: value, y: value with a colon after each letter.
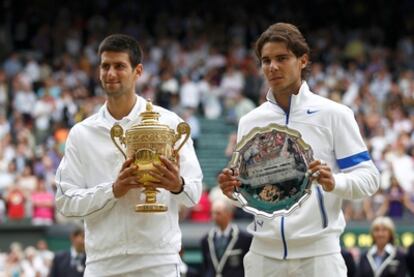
x: 309, y: 111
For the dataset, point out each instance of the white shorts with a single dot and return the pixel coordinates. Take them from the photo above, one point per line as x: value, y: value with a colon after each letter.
x: 321, y: 266
x: 169, y: 270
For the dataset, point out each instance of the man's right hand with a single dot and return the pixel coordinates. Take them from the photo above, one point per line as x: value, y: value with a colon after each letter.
x: 228, y: 181
x: 127, y: 179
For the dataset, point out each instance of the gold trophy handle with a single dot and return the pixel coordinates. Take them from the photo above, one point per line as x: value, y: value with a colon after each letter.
x: 117, y: 132
x: 182, y: 128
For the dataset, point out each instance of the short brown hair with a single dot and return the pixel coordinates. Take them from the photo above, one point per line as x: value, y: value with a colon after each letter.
x: 288, y: 34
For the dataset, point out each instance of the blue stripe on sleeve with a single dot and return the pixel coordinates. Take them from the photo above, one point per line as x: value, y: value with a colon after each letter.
x: 353, y: 160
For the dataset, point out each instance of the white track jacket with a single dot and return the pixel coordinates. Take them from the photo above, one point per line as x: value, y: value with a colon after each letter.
x: 331, y: 130
x: 84, y: 190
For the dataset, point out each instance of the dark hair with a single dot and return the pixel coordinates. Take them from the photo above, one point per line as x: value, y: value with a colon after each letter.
x: 122, y: 43
x: 290, y: 35
x: 77, y: 231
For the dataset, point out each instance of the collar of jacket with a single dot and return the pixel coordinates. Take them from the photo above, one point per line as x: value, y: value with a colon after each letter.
x: 296, y: 100
x: 389, y: 249
x: 390, y: 253
x: 104, y: 118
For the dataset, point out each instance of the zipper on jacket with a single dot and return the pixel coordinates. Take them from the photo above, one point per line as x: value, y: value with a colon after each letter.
x: 282, y: 221
x: 288, y: 112
x: 282, y: 232
x: 322, y: 208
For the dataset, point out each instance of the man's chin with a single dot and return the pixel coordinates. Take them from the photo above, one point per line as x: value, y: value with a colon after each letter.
x: 111, y: 91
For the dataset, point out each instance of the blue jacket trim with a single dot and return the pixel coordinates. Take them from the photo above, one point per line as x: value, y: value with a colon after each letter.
x: 353, y: 160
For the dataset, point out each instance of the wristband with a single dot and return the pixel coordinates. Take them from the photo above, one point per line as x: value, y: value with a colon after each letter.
x: 182, y: 187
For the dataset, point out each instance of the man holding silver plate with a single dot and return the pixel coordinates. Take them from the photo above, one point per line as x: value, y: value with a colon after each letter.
x: 298, y: 155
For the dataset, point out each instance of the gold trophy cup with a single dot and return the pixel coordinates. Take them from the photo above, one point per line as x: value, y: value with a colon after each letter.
x: 145, y: 143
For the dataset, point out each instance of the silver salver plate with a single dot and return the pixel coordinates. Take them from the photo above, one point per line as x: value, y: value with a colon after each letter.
x: 272, y: 162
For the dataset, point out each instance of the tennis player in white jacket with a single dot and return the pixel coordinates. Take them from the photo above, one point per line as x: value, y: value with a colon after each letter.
x: 95, y: 184
x: 306, y: 242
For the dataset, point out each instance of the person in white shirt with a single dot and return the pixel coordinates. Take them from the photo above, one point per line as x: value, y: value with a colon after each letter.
x: 96, y: 184
x: 305, y: 242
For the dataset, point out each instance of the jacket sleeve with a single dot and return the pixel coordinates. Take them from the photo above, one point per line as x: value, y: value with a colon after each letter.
x: 73, y: 198
x: 358, y: 175
x: 190, y: 171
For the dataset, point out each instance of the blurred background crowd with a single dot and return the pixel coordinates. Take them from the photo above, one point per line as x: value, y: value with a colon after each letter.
x: 199, y: 62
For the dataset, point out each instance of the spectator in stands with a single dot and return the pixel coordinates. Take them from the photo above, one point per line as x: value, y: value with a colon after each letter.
x: 224, y: 247
x: 4, y: 99
x: 95, y: 184
x: 189, y: 116
x: 383, y: 258
x: 349, y: 261
x: 2, y: 209
x: 8, y: 176
x: 202, y: 211
x: 13, y: 261
x: 44, y: 253
x: 306, y: 238
x: 231, y: 145
x: 15, y: 202
x: 27, y: 180
x: 32, y: 264
x: 410, y: 260
x: 42, y: 204
x: 71, y: 263
x: 397, y: 200
x: 376, y: 205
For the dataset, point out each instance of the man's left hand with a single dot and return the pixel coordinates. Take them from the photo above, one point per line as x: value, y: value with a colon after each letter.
x: 168, y: 175
x: 322, y: 173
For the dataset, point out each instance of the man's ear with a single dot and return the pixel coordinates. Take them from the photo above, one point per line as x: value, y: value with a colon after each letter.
x: 138, y: 70
x: 304, y: 60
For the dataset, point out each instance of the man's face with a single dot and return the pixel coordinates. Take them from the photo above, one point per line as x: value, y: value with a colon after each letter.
x: 281, y: 67
x: 117, y: 75
x: 221, y: 215
x: 381, y: 235
x: 78, y: 242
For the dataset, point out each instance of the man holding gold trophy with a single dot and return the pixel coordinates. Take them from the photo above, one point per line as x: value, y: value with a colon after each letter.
x: 298, y: 156
x: 126, y: 171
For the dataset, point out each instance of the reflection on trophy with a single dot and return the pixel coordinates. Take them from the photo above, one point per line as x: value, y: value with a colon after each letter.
x: 145, y: 143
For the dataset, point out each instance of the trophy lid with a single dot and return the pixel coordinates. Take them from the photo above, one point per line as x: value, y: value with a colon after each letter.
x: 149, y: 121
x: 149, y: 117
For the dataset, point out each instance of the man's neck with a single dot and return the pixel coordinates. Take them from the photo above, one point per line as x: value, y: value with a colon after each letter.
x: 121, y: 107
x: 282, y: 98
x: 223, y: 228
x: 282, y: 101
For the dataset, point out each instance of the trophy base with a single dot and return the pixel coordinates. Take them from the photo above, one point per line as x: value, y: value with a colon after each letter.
x: 151, y: 208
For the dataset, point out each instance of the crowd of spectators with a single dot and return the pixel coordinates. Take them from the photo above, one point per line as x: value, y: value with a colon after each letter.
x: 196, y: 67
x: 33, y: 261
x: 199, y: 68
x: 48, y: 82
